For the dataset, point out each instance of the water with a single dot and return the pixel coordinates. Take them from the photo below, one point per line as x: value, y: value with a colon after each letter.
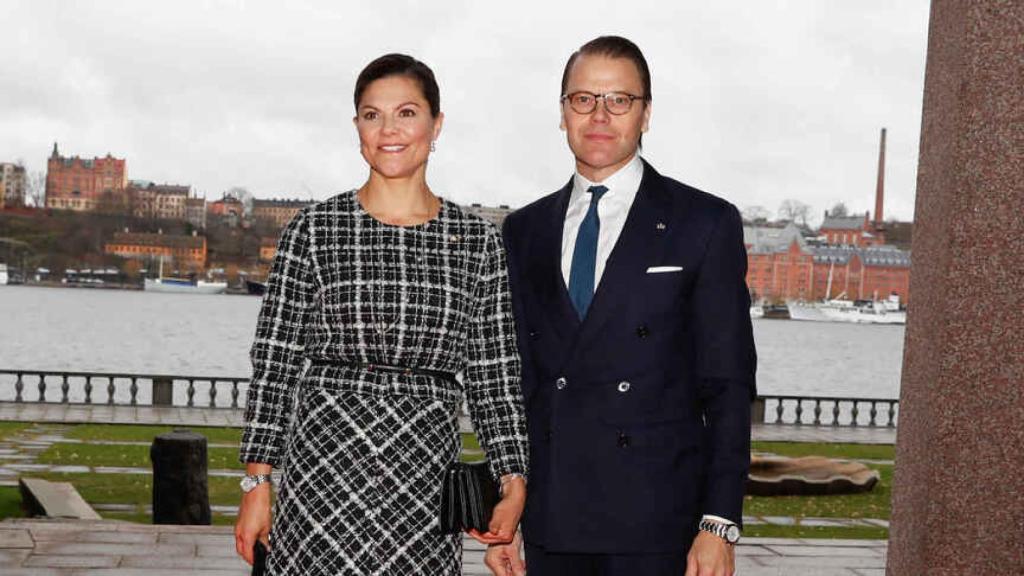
x: 209, y: 335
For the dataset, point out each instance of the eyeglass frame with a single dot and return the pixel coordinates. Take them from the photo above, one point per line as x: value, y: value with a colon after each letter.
x: 604, y: 98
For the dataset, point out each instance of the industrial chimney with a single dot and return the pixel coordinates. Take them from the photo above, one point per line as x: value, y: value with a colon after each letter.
x: 880, y: 188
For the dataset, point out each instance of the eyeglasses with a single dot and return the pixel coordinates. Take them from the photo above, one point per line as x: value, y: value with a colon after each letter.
x: 617, y: 103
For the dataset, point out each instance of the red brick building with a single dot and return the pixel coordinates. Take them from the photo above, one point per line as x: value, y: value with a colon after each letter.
x: 79, y: 184
x: 182, y: 252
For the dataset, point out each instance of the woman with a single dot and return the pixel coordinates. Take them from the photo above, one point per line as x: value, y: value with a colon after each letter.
x: 377, y: 297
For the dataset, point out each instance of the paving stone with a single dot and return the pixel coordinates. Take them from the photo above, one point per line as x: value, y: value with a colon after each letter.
x: 824, y: 551
x: 846, y: 561
x: 15, y: 538
x: 80, y: 548
x: 779, y: 520
x: 71, y: 469
x: 190, y: 563
x: 823, y: 522
x: 117, y: 537
x: 12, y: 558
x: 46, y: 561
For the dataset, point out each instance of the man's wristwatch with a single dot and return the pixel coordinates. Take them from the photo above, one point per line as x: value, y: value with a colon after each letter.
x: 728, y: 532
x: 250, y: 482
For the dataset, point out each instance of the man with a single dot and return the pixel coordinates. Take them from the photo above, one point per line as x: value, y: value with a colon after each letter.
x: 638, y: 355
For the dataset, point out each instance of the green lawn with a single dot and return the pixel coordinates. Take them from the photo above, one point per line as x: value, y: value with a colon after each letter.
x: 137, y: 489
x: 140, y: 433
x: 130, y: 456
x: 10, y: 502
x: 845, y: 451
x: 11, y: 428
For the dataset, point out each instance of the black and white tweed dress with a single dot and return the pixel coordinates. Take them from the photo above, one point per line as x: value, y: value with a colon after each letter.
x: 363, y: 452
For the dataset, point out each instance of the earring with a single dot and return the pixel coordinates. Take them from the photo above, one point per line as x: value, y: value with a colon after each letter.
x: 433, y: 145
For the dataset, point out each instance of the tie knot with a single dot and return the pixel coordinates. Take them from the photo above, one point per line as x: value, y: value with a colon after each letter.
x: 597, y: 192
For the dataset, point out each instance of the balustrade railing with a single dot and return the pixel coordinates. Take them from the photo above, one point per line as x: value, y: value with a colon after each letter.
x: 826, y: 411
x: 229, y: 393
x: 122, y: 389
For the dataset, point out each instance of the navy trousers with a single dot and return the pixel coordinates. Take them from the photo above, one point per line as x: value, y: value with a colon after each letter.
x: 540, y: 562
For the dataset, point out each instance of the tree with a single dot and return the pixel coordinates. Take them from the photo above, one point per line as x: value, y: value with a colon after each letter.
x: 839, y: 211
x: 754, y: 214
x: 794, y: 211
x: 35, y: 189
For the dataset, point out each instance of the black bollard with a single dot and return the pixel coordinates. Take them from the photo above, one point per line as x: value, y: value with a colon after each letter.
x: 180, y: 494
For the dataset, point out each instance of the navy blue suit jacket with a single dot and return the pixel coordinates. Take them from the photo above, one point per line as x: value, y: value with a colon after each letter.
x: 638, y: 416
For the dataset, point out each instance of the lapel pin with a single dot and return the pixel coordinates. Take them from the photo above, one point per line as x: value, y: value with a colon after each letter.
x: 661, y: 226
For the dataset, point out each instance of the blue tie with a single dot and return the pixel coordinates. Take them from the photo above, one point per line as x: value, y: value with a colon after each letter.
x: 584, y: 256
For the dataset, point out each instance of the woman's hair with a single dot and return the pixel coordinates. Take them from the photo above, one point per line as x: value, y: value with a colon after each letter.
x: 401, y: 65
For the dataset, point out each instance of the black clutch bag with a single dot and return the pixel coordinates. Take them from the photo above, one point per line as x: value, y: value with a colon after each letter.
x: 468, y: 497
x: 259, y: 559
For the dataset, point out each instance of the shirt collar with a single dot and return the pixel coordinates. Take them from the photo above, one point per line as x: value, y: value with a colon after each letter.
x: 624, y: 180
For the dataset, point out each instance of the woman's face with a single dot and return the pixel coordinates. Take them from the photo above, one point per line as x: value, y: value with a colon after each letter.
x: 395, y: 126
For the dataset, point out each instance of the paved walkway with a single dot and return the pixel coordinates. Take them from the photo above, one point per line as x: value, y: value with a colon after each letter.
x: 102, y: 548
x: 178, y: 416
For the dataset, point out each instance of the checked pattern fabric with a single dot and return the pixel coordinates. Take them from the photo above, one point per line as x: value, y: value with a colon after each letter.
x: 363, y: 452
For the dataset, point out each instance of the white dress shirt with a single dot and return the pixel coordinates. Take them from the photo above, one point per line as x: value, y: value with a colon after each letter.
x: 612, y: 210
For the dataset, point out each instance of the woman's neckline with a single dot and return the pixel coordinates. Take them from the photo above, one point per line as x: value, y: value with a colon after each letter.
x: 441, y: 203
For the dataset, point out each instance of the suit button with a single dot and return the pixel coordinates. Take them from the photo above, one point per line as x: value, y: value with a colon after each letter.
x: 623, y: 440
x: 624, y: 386
x: 561, y: 383
x: 642, y: 331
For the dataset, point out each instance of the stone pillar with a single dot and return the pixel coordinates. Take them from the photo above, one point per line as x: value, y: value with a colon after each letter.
x: 958, y: 498
x: 180, y: 491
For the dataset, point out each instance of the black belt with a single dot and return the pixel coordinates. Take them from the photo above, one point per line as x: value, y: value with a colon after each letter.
x: 446, y: 376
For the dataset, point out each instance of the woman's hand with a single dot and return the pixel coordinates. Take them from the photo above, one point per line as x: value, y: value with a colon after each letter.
x: 253, y: 516
x: 505, y: 519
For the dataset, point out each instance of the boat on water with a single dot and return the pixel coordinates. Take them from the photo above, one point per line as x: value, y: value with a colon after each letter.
x: 757, y: 311
x: 182, y: 285
x: 843, y: 310
x: 254, y: 288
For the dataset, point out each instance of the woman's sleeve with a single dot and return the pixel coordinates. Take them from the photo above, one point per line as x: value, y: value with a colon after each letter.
x: 493, y: 369
x: 277, y: 352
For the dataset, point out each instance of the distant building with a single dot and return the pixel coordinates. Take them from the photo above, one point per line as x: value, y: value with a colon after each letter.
x: 12, y: 185
x: 277, y: 213
x: 162, y: 201
x: 182, y: 252
x: 854, y: 262
x: 268, y: 248
x: 195, y: 212
x: 228, y: 209
x: 79, y: 184
x: 852, y: 230
x: 492, y: 214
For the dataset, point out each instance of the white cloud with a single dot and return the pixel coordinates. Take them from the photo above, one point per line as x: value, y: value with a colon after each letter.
x: 754, y: 101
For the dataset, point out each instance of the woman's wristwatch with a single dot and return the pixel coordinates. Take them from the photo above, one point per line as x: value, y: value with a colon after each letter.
x: 728, y: 532
x: 251, y: 481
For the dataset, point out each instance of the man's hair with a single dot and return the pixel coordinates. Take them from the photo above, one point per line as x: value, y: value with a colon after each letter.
x: 400, y: 65
x: 612, y: 47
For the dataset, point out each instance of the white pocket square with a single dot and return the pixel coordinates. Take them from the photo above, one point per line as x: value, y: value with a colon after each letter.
x: 663, y: 269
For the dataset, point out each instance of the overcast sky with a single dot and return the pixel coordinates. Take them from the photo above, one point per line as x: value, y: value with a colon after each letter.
x: 754, y: 101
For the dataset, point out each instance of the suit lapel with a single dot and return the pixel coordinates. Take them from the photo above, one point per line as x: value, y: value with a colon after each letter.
x: 640, y: 243
x: 548, y: 260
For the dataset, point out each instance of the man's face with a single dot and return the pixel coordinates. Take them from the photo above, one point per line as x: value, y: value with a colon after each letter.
x: 604, y: 142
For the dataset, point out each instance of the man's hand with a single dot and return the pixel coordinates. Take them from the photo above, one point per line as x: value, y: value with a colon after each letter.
x: 710, y: 556
x: 505, y: 519
x: 504, y: 559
